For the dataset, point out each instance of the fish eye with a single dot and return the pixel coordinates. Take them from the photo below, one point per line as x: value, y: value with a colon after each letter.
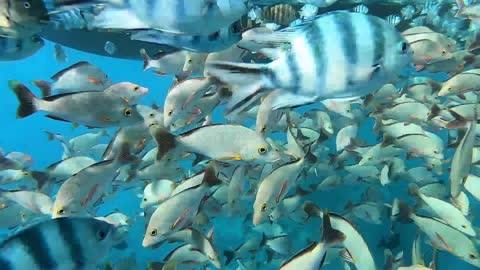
x: 264, y: 207
x: 153, y: 232
x: 101, y: 235
x: 170, y: 113
x: 136, y: 88
x: 464, y: 226
x: 449, y: 89
x: 404, y: 47
x: 26, y: 173
x: 152, y: 114
x: 61, y: 211
x: 127, y: 112
x: 262, y: 150
x: 144, y: 199
x: 26, y: 4
x: 264, y: 128
x: 472, y: 256
x: 444, y: 52
x: 435, y: 151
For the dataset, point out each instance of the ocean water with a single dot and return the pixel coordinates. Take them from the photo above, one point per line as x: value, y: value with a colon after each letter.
x: 28, y: 136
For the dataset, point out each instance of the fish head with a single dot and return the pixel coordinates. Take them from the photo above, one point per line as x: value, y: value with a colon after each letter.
x: 259, y: 151
x: 171, y: 112
x: 59, y: 211
x: 128, y: 115
x: 262, y: 208
x: 152, y: 236
x: 434, y: 165
x: 150, y: 114
x: 97, y: 236
x: 28, y: 13
x: 400, y: 56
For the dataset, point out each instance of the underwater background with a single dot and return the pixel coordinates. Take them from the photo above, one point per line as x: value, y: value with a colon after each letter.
x: 28, y: 136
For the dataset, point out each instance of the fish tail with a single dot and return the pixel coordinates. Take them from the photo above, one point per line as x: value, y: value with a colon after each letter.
x: 164, y: 139
x: 210, y: 176
x: 27, y: 99
x: 50, y: 135
x: 229, y: 255
x: 248, y: 80
x: 41, y: 178
x: 146, y: 59
x: 434, y: 112
x: 124, y: 155
x: 44, y: 86
x: 330, y: 236
x: 461, y: 8
x: 401, y: 211
x: 413, y: 190
x: 311, y: 209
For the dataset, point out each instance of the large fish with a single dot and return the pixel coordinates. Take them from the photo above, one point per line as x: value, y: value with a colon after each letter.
x: 12, y: 49
x: 22, y: 19
x: 324, y: 61
x: 201, y: 17
x: 64, y: 243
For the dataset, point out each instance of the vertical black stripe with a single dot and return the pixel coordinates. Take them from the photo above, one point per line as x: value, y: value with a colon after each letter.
x: 36, y: 245
x: 5, y: 264
x: 271, y: 76
x: 294, y: 70
x: 378, y: 35
x: 316, y: 38
x: 345, y: 29
x: 66, y: 230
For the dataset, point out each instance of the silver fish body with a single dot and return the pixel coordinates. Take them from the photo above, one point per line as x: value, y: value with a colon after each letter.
x: 12, y: 49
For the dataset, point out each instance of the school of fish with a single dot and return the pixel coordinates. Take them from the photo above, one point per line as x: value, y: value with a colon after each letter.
x: 348, y: 137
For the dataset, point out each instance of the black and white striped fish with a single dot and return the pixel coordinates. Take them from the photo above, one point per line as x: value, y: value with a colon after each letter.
x: 58, y: 244
x: 338, y: 55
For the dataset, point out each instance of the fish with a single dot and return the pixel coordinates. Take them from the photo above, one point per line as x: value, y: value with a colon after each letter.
x: 13, y: 48
x: 66, y: 243
x: 157, y: 192
x: 313, y: 256
x: 175, y: 213
x: 205, y: 17
x: 35, y: 201
x: 84, y: 108
x: 130, y: 92
x: 79, y: 194
x: 214, y: 42
x: 81, y: 76
x: 461, y: 83
x: 249, y: 147
x: 22, y: 19
x: 60, y: 54
x: 297, y: 83
x: 441, y: 235
x: 462, y: 159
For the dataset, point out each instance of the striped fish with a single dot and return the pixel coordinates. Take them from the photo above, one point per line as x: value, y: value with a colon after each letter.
x: 58, y: 244
x: 338, y: 55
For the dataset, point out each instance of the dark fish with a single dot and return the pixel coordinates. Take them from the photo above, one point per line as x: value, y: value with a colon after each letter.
x: 22, y: 18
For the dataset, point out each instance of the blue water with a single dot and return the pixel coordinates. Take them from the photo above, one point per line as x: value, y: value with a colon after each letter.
x: 27, y: 135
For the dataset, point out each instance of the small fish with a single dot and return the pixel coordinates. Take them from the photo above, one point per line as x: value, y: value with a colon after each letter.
x: 461, y: 83
x: 157, y: 192
x: 215, y: 141
x: 313, y: 256
x: 393, y: 19
x: 60, y: 54
x: 78, y: 77
x: 361, y: 9
x: 110, y: 48
x: 92, y: 109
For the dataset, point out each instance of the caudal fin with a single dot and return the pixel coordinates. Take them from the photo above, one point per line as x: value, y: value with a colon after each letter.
x: 26, y: 97
x: 331, y: 236
x: 247, y: 80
